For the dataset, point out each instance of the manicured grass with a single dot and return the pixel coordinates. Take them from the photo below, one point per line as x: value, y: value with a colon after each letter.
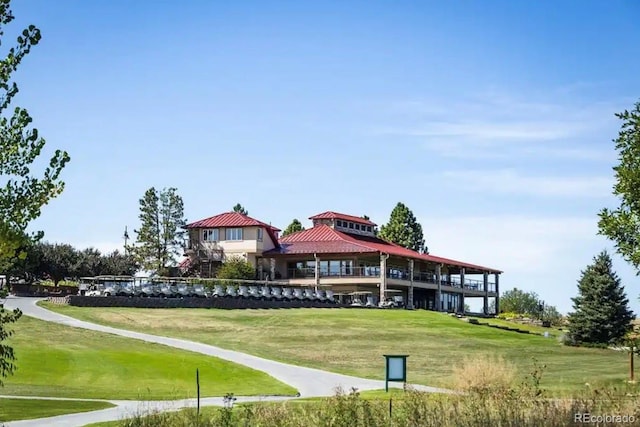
x: 24, y: 409
x: 353, y: 341
x: 60, y: 361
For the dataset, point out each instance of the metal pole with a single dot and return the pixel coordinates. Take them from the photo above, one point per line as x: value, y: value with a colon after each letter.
x: 631, y: 362
x: 198, y: 390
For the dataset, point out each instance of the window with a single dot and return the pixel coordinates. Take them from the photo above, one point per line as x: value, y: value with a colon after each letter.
x: 234, y: 233
x: 339, y: 223
x: 350, y: 225
x: 210, y: 235
x: 368, y: 229
x: 358, y: 227
x: 260, y: 231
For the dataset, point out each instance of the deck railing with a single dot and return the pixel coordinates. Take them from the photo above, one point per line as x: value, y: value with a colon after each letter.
x: 392, y: 273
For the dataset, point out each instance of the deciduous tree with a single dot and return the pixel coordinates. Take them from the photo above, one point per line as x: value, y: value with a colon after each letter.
x: 601, y: 309
x: 118, y: 264
x: 160, y: 238
x: 403, y: 229
x: 294, y: 227
x: 622, y: 225
x: 89, y: 263
x: 23, y: 192
x: 518, y: 301
x: 58, y: 261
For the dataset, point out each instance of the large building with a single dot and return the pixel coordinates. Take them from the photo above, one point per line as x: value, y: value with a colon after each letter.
x: 341, y: 252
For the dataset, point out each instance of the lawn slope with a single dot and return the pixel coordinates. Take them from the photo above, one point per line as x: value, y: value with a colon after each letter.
x: 60, y: 361
x: 26, y: 409
x: 353, y: 341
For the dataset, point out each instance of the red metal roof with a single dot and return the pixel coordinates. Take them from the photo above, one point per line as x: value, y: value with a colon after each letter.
x: 184, y: 264
x: 324, y: 239
x: 229, y: 219
x: 235, y: 219
x: 336, y: 215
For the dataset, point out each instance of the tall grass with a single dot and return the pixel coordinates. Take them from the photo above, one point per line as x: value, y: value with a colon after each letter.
x: 501, y: 401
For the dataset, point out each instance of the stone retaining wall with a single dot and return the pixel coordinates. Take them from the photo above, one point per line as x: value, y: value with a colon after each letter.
x: 59, y: 300
x: 224, y: 303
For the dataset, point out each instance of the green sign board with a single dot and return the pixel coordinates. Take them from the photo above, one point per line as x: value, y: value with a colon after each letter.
x: 396, y: 369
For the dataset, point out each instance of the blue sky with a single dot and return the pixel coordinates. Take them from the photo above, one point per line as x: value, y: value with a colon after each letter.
x: 492, y: 121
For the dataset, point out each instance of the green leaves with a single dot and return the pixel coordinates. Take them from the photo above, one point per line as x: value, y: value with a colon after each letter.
x: 403, y: 229
x: 23, y: 193
x: 294, y: 227
x: 240, y: 209
x: 622, y: 225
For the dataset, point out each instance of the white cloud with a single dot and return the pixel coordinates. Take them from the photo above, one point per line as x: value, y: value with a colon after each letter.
x: 510, y: 181
x: 493, y: 124
x: 475, y: 130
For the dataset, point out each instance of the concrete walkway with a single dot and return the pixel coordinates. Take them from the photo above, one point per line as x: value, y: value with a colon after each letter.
x: 309, y: 382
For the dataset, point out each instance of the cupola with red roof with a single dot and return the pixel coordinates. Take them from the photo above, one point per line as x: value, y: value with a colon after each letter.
x: 345, y: 223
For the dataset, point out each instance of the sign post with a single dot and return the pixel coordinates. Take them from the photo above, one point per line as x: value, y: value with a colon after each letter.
x: 396, y: 369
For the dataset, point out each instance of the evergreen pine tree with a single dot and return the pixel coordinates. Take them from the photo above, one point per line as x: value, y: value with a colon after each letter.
x: 403, y: 229
x: 601, y: 309
x: 160, y: 237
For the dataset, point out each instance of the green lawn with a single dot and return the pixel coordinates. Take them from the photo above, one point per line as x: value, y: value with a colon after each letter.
x: 59, y: 361
x: 23, y: 409
x: 353, y: 341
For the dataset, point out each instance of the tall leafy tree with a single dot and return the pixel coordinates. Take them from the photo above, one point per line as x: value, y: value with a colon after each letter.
x: 118, y: 264
x: 23, y: 192
x: 160, y: 238
x: 89, y: 263
x: 240, y: 209
x: 294, y: 227
x: 622, y: 225
x: 58, y: 261
x: 403, y: 229
x: 519, y: 301
x: 601, y: 309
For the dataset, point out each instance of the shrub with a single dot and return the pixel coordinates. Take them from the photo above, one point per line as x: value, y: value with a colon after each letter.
x: 483, y: 373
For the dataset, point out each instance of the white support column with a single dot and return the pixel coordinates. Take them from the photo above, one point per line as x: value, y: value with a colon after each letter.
x: 496, y: 278
x: 485, y: 283
x: 438, y: 304
x: 383, y: 276
x: 272, y: 268
x: 410, y: 297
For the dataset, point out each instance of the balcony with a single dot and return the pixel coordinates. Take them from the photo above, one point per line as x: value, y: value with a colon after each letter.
x: 307, y: 273
x: 392, y: 273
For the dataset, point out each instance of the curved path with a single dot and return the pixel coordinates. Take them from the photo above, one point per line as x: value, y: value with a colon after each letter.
x: 309, y: 382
